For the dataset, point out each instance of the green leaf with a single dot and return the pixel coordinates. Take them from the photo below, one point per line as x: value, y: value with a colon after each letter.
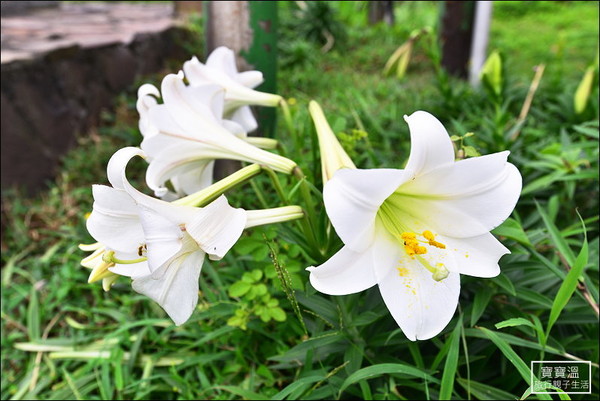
x: 535, y: 297
x: 559, y: 242
x: 277, y: 314
x: 451, y: 363
x: 303, y: 382
x: 470, y: 151
x: 33, y: 316
x: 569, y: 284
x: 247, y: 394
x: 503, y: 281
x: 509, y: 353
x: 481, y: 301
x: 256, y: 275
x: 483, y: 391
x: 384, y: 369
x: 516, y: 321
x: 512, y: 229
x: 239, y: 288
x: 543, y: 182
x: 261, y: 290
x: 354, y: 357
x: 299, y: 352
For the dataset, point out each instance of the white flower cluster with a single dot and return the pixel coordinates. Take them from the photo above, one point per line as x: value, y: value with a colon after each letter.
x: 161, y: 245
x: 410, y: 231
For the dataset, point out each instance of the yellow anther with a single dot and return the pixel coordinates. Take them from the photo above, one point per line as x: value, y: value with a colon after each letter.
x: 428, y: 235
x: 408, y: 236
x: 437, y: 244
x: 412, y: 247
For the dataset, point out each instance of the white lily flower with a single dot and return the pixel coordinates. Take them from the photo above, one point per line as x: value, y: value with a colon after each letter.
x: 185, y: 134
x: 162, y: 245
x: 220, y: 69
x: 413, y: 232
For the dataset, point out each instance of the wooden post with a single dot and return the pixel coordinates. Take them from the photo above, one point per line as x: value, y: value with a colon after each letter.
x: 381, y: 11
x: 228, y: 24
x: 455, y: 35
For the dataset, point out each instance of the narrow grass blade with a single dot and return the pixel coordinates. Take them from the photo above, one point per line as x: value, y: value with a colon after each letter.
x: 569, y: 285
x: 383, y: 369
x: 555, y: 235
x: 483, y: 391
x: 304, y: 382
x: 451, y: 363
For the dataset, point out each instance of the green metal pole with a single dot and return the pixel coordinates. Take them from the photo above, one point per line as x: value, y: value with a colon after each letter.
x: 262, y: 55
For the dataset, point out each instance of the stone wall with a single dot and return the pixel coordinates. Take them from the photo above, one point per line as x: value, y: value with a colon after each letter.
x: 48, y: 100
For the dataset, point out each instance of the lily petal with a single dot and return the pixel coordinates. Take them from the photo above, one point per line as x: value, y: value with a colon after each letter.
x: 132, y: 270
x: 163, y: 238
x: 431, y: 146
x: 194, y: 180
x: 216, y: 227
x: 476, y: 256
x: 421, y: 306
x: 465, y: 199
x: 193, y: 107
x: 114, y: 220
x: 245, y: 118
x: 346, y: 272
x: 177, y: 291
x: 116, y: 175
x: 222, y: 59
x: 250, y: 79
x: 177, y: 160
x: 352, y: 198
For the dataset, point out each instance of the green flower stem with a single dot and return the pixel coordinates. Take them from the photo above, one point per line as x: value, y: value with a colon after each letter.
x: 276, y: 184
x: 287, y: 117
x: 257, y: 191
x: 207, y: 195
x: 309, y: 223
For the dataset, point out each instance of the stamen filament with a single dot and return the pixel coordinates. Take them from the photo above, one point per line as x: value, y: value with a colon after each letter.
x: 109, y: 257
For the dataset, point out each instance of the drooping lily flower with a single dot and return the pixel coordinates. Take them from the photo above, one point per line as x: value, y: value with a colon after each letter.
x: 185, y: 134
x: 413, y: 231
x: 162, y: 245
x: 220, y: 69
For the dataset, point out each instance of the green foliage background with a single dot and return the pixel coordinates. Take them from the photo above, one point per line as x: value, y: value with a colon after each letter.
x: 261, y: 331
